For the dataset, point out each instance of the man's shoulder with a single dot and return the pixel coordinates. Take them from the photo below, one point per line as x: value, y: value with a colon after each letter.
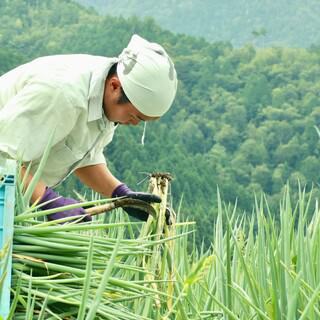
x: 71, y: 74
x: 69, y: 58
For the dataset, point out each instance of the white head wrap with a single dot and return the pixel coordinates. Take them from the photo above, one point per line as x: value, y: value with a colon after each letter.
x: 148, y: 76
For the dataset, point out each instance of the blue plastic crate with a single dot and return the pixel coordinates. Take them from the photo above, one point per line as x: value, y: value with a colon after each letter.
x: 7, y: 201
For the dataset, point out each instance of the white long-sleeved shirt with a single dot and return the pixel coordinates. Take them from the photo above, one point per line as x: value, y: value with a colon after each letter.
x: 59, y: 96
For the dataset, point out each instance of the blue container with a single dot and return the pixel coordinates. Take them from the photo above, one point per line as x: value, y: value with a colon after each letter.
x: 7, y: 201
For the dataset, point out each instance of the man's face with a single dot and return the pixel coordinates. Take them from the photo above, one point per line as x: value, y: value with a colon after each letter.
x: 125, y: 113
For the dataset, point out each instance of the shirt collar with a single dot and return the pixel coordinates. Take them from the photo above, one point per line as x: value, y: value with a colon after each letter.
x: 96, y: 89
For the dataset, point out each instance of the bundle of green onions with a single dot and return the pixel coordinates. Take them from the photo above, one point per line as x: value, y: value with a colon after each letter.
x: 98, y: 270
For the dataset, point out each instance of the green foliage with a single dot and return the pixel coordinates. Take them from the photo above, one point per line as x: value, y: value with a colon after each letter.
x: 8, y: 59
x: 243, y: 118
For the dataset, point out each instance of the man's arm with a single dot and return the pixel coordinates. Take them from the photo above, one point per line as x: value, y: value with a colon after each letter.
x: 51, y: 200
x: 99, y: 178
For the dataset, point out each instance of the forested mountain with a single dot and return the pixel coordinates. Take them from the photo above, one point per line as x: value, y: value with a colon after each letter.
x: 293, y: 23
x: 244, y: 119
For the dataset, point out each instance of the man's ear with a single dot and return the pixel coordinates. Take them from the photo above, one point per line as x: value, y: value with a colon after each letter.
x: 115, y: 83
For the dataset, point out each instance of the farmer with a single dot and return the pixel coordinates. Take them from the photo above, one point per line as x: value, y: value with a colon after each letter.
x: 77, y: 101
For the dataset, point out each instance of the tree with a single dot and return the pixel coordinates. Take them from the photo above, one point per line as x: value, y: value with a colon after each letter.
x: 257, y: 93
x: 261, y: 174
x: 228, y: 137
x: 254, y: 152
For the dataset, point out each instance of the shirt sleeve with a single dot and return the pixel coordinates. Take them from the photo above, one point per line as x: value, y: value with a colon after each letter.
x: 28, y: 120
x: 97, y: 158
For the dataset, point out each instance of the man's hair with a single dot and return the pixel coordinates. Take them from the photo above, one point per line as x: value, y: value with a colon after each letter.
x: 113, y: 72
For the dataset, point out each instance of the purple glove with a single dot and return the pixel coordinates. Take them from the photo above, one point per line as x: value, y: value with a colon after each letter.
x: 124, y: 191
x: 49, y: 195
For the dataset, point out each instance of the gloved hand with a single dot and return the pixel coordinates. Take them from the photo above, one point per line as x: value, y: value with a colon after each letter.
x: 124, y: 191
x: 50, y: 195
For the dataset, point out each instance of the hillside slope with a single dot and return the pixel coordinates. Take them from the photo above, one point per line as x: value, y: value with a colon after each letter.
x: 293, y: 23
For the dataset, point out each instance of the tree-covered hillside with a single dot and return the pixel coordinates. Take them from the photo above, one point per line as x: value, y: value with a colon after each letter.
x: 293, y: 23
x: 244, y: 119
